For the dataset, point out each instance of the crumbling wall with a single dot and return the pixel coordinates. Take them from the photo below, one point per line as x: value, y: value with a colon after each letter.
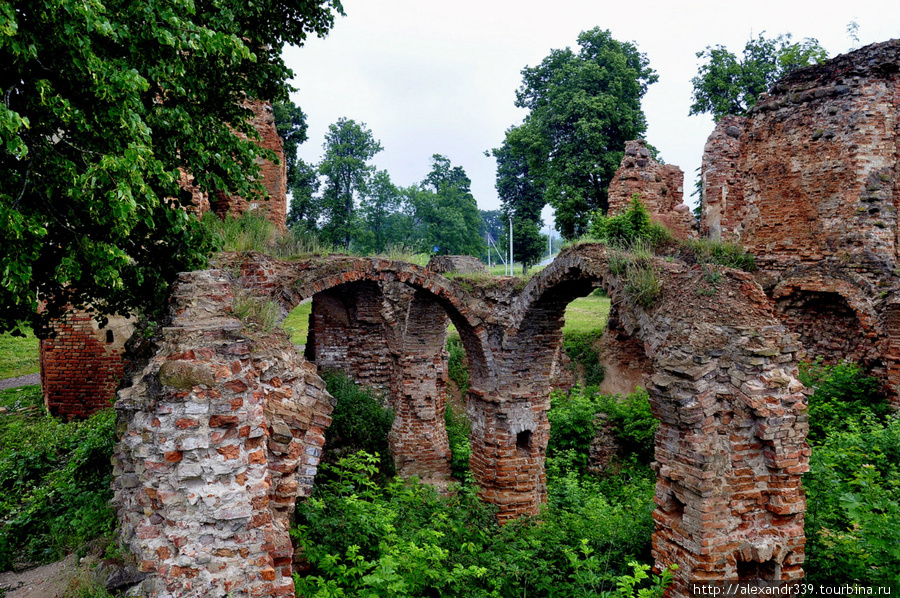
x: 808, y: 182
x: 461, y: 264
x: 722, y: 185
x: 661, y: 189
x: 273, y: 176
x: 81, y: 365
x: 219, y: 435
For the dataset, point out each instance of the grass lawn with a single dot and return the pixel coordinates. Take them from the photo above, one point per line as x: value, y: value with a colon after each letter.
x: 586, y: 314
x: 18, y: 356
x: 296, y: 324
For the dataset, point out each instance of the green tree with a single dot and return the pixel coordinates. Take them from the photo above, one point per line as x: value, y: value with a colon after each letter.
x: 379, y: 212
x: 103, y: 106
x: 522, y: 197
x: 305, y: 205
x: 727, y: 85
x: 348, y: 148
x: 290, y: 122
x: 448, y: 211
x: 583, y: 107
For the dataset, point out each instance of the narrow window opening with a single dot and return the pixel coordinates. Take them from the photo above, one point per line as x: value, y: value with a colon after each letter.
x: 109, y: 336
x: 523, y: 441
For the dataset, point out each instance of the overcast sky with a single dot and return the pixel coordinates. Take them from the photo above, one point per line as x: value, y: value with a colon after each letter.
x: 440, y: 77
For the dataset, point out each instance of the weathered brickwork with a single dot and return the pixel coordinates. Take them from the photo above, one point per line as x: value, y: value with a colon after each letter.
x: 808, y: 181
x: 220, y: 434
x: 661, y: 188
x: 222, y: 431
x: 274, y: 177
x: 81, y: 366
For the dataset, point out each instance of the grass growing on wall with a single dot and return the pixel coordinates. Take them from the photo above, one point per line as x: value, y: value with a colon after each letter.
x: 19, y: 356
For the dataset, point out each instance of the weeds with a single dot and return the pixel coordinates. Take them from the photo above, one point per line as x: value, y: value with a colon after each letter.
x: 256, y: 313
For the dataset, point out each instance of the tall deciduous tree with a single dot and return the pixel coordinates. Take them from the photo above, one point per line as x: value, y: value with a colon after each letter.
x: 583, y: 107
x: 380, y: 215
x: 348, y: 148
x: 103, y: 105
x: 447, y: 210
x: 522, y: 198
x: 726, y: 84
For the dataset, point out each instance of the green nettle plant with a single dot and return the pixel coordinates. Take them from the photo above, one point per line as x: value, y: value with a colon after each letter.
x: 853, y: 486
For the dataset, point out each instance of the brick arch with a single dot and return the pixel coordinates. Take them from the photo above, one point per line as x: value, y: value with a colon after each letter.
x: 834, y: 317
x: 289, y: 283
x: 730, y: 446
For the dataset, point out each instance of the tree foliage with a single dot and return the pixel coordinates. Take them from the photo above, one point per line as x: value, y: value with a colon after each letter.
x: 583, y: 107
x: 348, y: 148
x: 728, y: 85
x: 103, y: 105
x: 522, y: 198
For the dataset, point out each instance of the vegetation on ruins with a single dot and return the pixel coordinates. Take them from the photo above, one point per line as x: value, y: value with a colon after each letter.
x: 104, y: 106
x: 583, y: 107
x: 726, y: 84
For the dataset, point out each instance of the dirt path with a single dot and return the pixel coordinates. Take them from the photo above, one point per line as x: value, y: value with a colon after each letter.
x: 47, y: 581
x: 20, y: 381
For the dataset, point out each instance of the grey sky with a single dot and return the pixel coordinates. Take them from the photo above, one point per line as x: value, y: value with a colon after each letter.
x: 440, y: 77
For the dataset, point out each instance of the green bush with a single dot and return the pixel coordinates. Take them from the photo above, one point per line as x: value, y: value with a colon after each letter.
x: 573, y: 424
x: 457, y: 367
x: 360, y: 421
x: 629, y: 227
x: 404, y: 539
x: 54, y: 480
x: 458, y: 427
x: 579, y: 346
x: 843, y: 393
x: 853, y: 486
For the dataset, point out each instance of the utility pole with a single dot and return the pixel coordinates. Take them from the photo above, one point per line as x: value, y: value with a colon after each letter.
x: 511, y: 273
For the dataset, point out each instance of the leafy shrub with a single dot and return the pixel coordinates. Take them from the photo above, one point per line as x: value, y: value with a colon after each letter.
x: 853, y: 486
x: 629, y: 227
x: 579, y: 346
x: 573, y: 424
x: 842, y: 393
x: 457, y: 367
x: 404, y: 539
x: 360, y: 421
x: 54, y: 479
x: 458, y: 427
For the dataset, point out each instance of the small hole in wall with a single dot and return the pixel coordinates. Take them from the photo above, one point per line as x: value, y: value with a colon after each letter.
x: 754, y: 571
x: 523, y: 441
x: 109, y: 336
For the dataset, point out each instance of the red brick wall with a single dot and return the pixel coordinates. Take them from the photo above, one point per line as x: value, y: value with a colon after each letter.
x: 661, y: 187
x: 274, y: 177
x: 81, y: 367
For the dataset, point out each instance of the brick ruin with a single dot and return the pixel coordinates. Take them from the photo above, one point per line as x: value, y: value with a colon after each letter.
x: 81, y: 366
x: 660, y: 186
x: 223, y: 428
x: 808, y: 182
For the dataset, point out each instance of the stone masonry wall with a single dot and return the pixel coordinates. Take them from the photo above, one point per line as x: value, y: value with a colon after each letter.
x: 661, y: 188
x: 723, y: 191
x: 219, y: 435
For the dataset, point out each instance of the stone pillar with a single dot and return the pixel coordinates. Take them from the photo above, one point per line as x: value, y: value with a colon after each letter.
x: 347, y: 332
x: 730, y: 449
x: 418, y: 437
x: 509, y: 442
x: 723, y: 191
